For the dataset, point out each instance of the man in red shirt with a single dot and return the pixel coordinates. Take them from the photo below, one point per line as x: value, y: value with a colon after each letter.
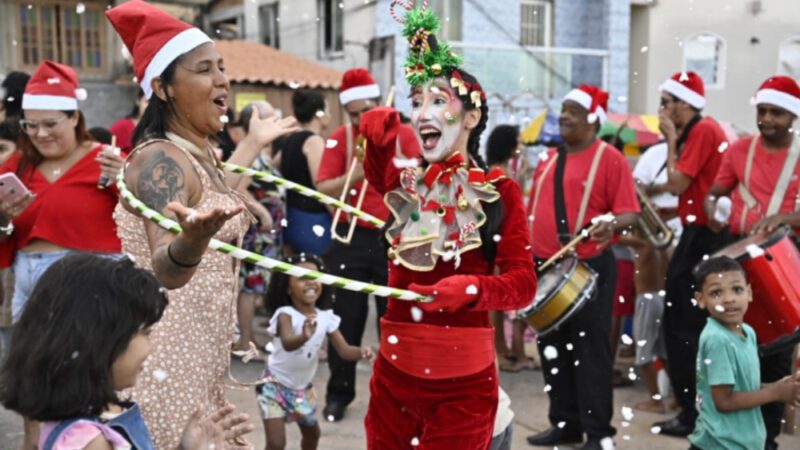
x: 364, y: 258
x: 695, y: 145
x: 584, y: 179
x: 764, y: 197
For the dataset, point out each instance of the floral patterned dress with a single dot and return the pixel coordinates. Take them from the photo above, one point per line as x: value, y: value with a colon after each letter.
x: 191, y: 343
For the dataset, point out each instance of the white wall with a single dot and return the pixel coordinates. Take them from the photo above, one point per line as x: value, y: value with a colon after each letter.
x: 663, y: 26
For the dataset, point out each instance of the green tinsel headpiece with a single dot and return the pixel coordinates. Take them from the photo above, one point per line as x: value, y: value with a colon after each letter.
x: 428, y: 57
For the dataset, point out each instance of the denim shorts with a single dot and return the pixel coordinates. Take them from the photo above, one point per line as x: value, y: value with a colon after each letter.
x: 28, y: 268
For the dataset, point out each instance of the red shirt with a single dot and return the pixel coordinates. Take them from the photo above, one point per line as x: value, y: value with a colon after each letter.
x: 71, y: 212
x: 335, y: 164
x: 767, y: 166
x: 700, y: 160
x: 613, y: 191
x: 123, y: 130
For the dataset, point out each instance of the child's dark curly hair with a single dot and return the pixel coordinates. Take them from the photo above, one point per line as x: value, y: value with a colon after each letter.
x: 278, y: 292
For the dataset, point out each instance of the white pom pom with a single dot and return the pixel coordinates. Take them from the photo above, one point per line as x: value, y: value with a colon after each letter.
x: 81, y: 94
x: 592, y: 118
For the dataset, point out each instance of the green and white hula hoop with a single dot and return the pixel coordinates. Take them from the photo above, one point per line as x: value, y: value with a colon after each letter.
x: 263, y: 261
x: 302, y: 190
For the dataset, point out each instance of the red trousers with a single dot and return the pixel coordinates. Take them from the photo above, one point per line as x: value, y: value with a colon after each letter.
x: 441, y: 414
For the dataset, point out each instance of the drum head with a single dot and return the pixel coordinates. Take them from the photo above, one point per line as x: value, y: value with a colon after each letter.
x: 553, y: 278
x: 738, y: 250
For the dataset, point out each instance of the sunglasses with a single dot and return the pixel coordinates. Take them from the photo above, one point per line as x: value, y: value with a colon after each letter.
x: 31, y: 127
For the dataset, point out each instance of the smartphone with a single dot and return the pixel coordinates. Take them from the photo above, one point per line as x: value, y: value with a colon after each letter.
x: 11, y: 187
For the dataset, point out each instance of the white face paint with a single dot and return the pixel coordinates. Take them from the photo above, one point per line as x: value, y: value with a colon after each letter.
x: 438, y: 119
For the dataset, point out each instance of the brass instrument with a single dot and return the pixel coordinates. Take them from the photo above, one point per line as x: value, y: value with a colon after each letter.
x: 654, y: 228
x: 360, y: 151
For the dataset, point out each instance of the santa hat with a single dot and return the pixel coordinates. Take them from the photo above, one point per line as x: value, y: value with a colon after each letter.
x: 358, y: 84
x: 687, y: 86
x: 154, y: 38
x: 780, y: 91
x: 53, y: 86
x: 594, y: 99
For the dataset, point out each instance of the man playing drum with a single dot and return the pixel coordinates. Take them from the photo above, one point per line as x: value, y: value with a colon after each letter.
x: 583, y: 179
x: 762, y: 177
x: 694, y: 144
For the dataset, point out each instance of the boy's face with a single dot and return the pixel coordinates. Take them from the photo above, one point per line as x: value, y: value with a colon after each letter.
x: 726, y: 296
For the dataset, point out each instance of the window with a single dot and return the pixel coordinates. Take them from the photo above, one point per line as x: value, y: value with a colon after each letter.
x: 535, y: 22
x: 331, y: 20
x: 269, y: 21
x: 789, y: 58
x: 62, y: 32
x: 704, y: 53
x: 451, y: 13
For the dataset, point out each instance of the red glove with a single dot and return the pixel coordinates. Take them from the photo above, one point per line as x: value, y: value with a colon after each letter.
x: 380, y: 126
x: 450, y: 294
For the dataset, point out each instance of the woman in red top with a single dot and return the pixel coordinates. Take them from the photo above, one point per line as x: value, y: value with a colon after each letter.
x: 63, y: 209
x: 434, y: 384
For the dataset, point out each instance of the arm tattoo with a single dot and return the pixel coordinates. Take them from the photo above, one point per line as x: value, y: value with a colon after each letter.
x: 160, y: 181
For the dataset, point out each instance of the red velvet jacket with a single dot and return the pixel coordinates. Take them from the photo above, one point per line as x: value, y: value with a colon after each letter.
x: 513, y: 288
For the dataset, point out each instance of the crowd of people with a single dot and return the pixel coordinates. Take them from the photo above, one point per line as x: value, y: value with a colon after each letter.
x: 117, y: 333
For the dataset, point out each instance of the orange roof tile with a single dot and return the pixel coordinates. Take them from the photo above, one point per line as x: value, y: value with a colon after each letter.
x: 251, y: 62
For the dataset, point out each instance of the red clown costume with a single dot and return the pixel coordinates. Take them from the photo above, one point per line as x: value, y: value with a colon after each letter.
x: 457, y: 234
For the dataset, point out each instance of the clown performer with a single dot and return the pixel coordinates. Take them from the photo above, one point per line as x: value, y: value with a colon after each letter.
x: 434, y: 383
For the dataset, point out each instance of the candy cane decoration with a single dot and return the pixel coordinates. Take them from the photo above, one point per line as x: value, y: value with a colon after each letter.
x: 303, y: 190
x: 265, y: 262
x: 408, y: 5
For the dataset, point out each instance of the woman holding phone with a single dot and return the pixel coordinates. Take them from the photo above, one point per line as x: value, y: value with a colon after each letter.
x: 50, y: 203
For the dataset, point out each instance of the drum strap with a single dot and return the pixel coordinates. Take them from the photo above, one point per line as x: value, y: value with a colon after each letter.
x: 744, y: 188
x: 783, y: 180
x: 587, y: 193
x: 540, y: 183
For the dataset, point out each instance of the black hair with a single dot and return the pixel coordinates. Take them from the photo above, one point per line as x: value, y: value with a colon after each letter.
x: 135, y: 111
x: 79, y: 319
x: 101, y: 135
x: 306, y: 103
x: 494, y: 210
x: 9, y: 130
x: 153, y: 124
x: 14, y: 85
x: 278, y: 292
x: 715, y: 265
x: 501, y: 144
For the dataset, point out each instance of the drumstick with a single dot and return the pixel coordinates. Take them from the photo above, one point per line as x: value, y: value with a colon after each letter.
x: 583, y: 235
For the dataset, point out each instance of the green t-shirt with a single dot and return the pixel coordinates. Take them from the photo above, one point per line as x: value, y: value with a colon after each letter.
x: 727, y: 358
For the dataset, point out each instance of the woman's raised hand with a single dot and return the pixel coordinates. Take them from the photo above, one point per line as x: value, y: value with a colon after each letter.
x: 264, y: 131
x: 199, y: 226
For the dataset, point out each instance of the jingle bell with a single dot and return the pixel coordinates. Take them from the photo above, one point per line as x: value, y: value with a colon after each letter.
x: 463, y: 204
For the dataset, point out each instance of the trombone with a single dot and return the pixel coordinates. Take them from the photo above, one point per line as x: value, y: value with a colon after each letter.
x: 360, y: 151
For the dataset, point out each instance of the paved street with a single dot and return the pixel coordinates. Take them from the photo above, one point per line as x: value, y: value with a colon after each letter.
x: 529, y: 403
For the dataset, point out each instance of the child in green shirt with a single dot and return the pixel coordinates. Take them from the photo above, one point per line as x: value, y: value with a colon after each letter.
x: 729, y: 389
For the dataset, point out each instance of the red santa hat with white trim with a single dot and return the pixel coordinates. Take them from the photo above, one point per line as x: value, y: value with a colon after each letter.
x: 53, y: 86
x: 780, y: 91
x: 594, y: 99
x: 687, y: 86
x: 154, y: 38
x: 358, y: 84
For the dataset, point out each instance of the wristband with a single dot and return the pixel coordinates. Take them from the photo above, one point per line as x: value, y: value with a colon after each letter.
x: 178, y: 263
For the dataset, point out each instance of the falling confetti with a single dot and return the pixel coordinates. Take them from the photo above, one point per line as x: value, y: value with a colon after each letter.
x: 284, y: 223
x: 627, y: 340
x: 405, y: 163
x: 550, y: 352
x: 719, y: 308
x: 80, y: 8
x: 160, y: 375
x: 416, y: 314
x: 641, y: 343
x: 472, y: 289
x: 655, y: 430
x: 644, y: 49
x: 722, y: 147
x: 224, y: 119
x: 75, y: 354
x: 562, y: 424
x: 707, y: 361
x: 691, y: 218
x: 496, y: 238
x: 554, y: 371
x: 570, y: 346
x: 607, y: 443
x: 392, y: 339
x: 547, y: 388
x: 319, y: 230
x: 415, y: 442
x: 331, y: 143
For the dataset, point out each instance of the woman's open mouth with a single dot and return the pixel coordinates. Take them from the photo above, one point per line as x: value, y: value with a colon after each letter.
x: 221, y: 103
x: 430, y: 137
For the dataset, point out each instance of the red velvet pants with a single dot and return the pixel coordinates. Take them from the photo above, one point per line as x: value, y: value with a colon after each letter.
x: 441, y: 414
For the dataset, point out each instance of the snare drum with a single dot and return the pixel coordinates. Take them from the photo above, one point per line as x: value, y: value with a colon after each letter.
x: 772, y: 264
x: 561, y: 292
